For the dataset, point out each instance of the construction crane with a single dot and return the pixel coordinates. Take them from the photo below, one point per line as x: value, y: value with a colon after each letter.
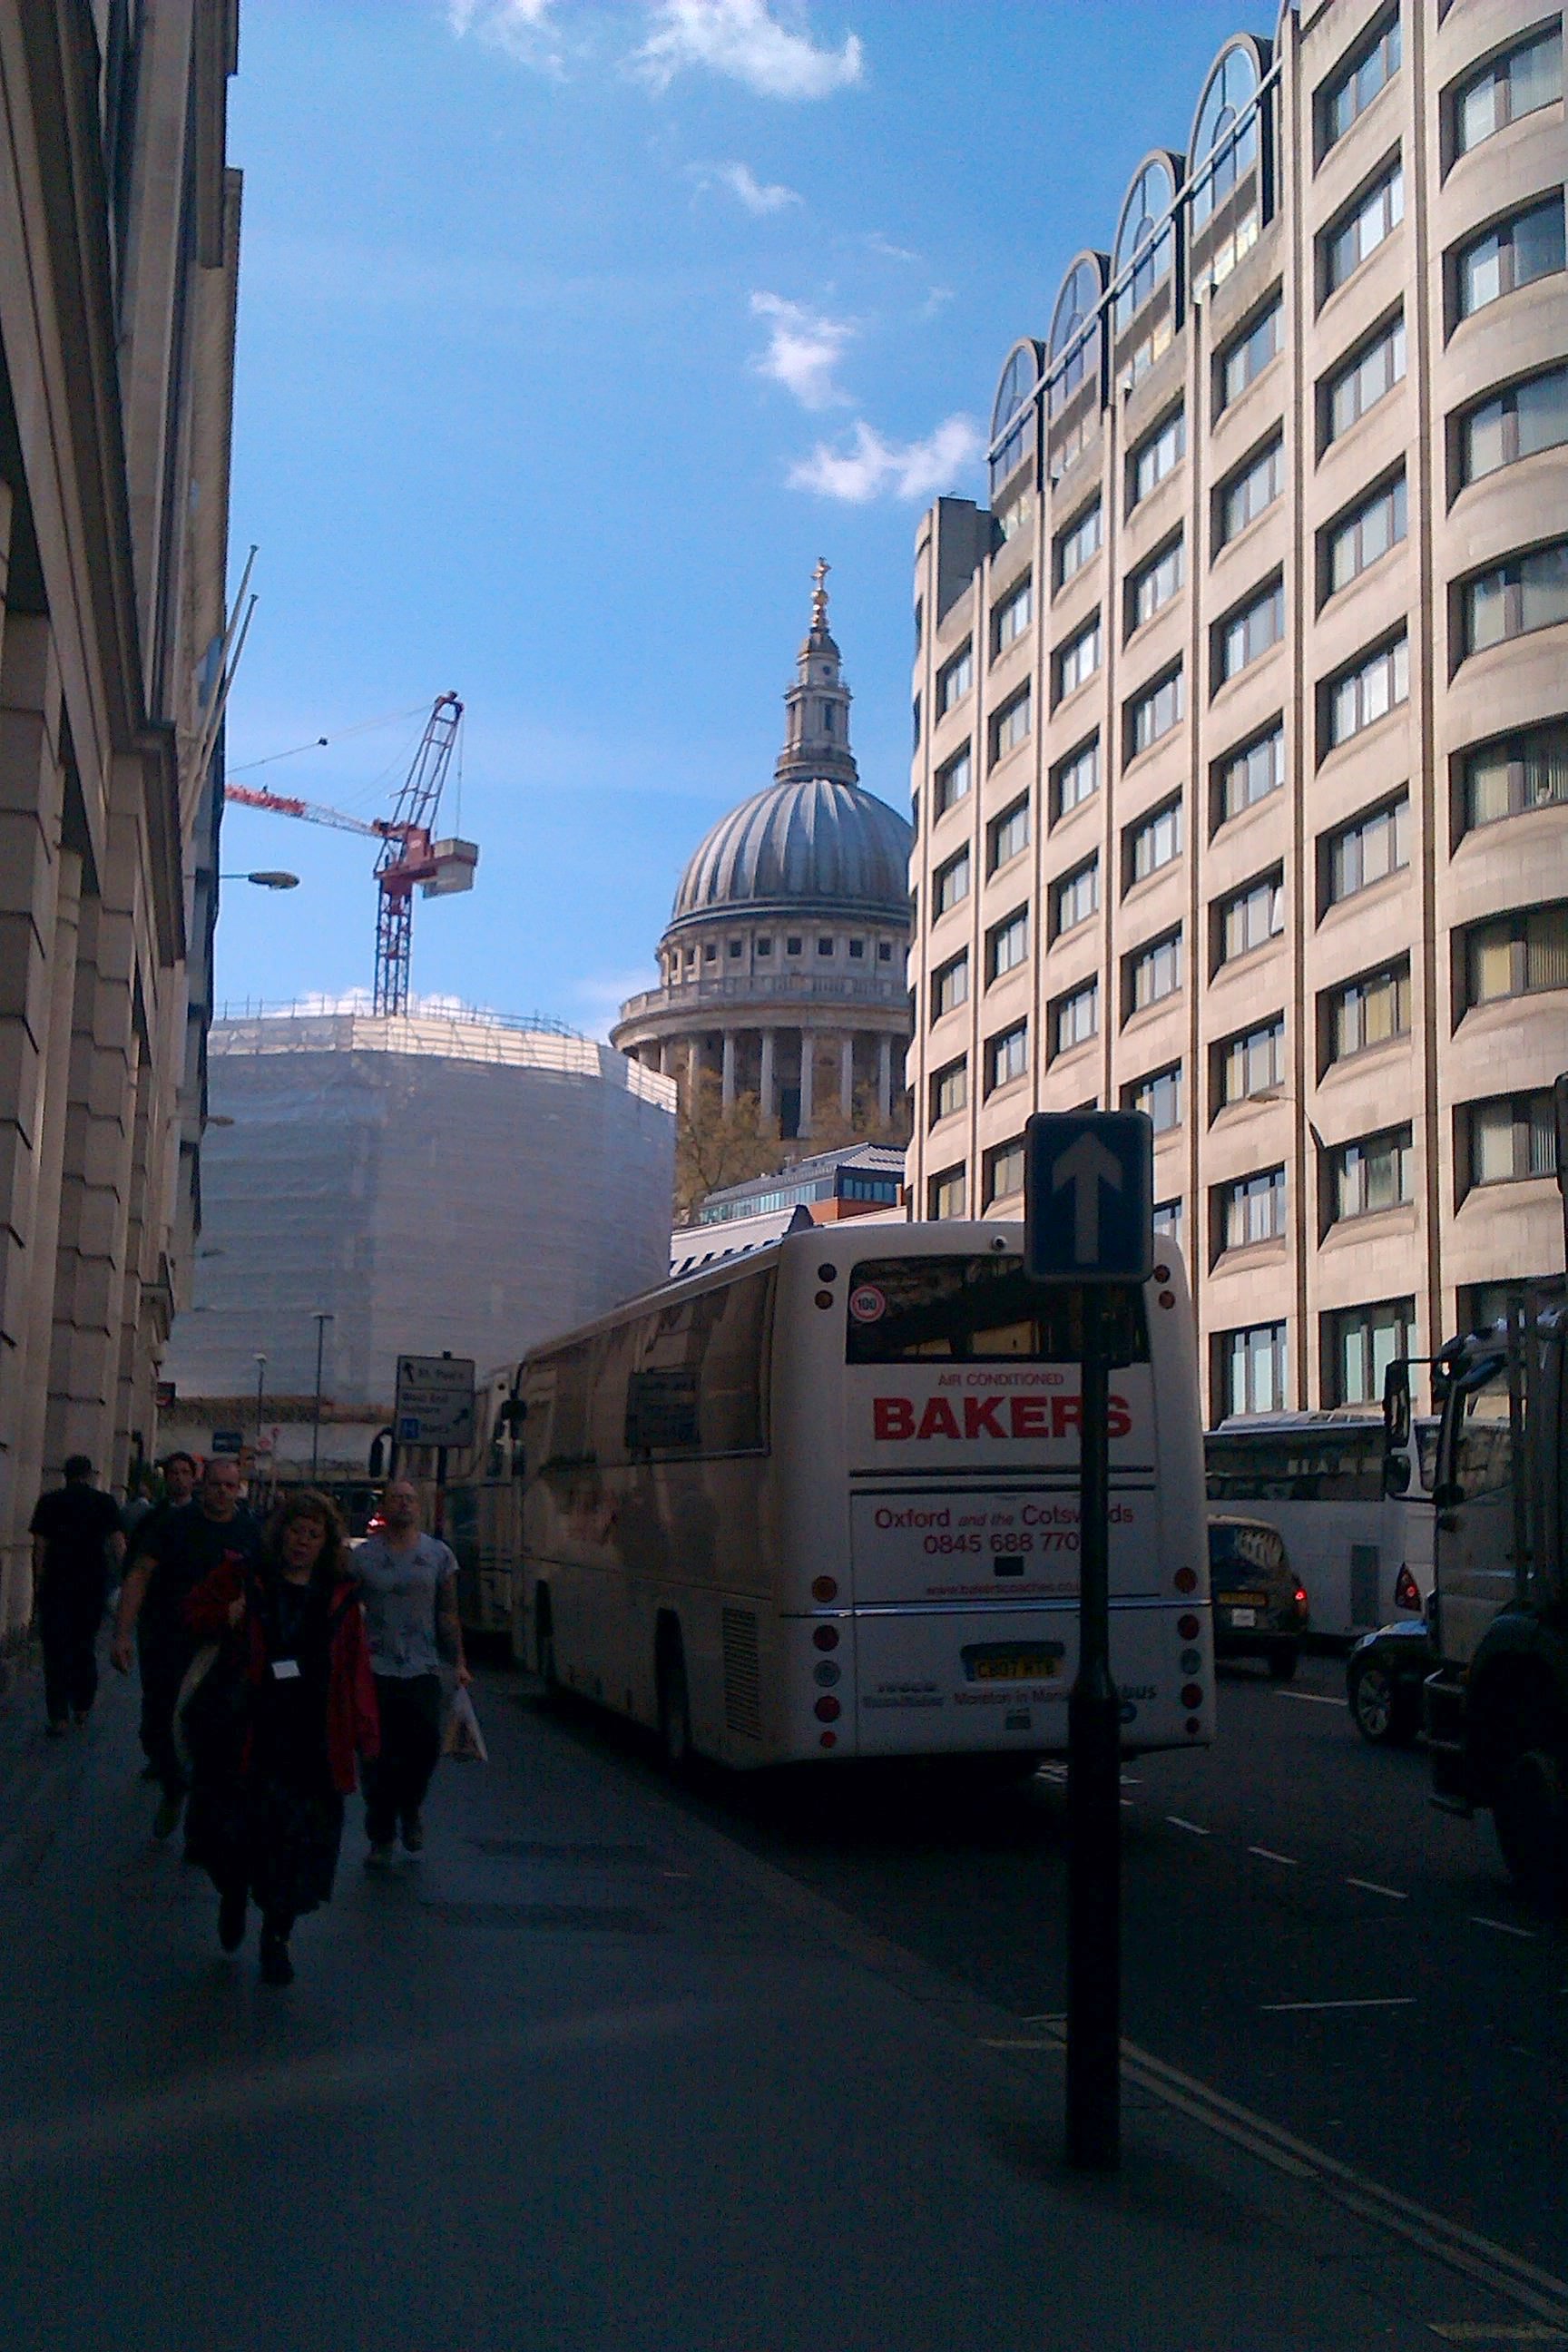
x: 409, y: 853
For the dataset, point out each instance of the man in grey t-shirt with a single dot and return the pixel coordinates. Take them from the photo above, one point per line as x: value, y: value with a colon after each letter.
x: 408, y: 1583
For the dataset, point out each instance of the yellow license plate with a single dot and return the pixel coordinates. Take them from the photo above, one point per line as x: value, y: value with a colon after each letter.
x: 1242, y: 1599
x: 1023, y: 1667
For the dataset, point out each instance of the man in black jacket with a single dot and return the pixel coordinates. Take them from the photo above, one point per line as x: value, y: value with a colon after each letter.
x: 76, y: 1539
x: 182, y: 1475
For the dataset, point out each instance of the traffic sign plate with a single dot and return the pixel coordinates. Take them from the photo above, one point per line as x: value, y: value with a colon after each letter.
x: 435, y: 1404
x: 1088, y: 1196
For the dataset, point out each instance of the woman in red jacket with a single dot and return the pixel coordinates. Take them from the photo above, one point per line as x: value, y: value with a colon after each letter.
x: 275, y: 1747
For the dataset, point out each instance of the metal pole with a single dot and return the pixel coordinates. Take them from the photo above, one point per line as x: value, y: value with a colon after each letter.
x: 1094, y: 1808
x: 322, y: 1322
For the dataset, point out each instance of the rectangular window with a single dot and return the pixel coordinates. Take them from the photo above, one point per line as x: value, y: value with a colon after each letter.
x: 1353, y: 90
x: 1078, y: 543
x: 1159, y: 1094
x: 1249, y: 774
x: 1369, y: 1012
x: 1516, y: 774
x: 1075, y: 897
x: 950, y: 884
x: 952, y: 782
x: 1252, y: 1210
x: 1365, y: 380
x: 950, y: 987
x: 1252, y: 1062
x: 1513, y: 255
x: 1367, y: 532
x: 1376, y: 1172
x: 1014, y: 516
x: 1250, y: 917
x: 1518, y: 422
x: 947, y: 1193
x: 1011, y: 619
x: 1075, y: 1018
x: 1154, y: 973
x: 1366, y: 851
x: 1245, y: 636
x: 1007, y: 945
x: 949, y: 1091
x: 1529, y: 592
x: 1507, y: 86
x: 1154, y: 712
x: 915, y: 718
x: 1076, y: 781
x: 1153, y: 585
x: 1247, y: 356
x: 1517, y: 954
x: 1253, y: 1368
x: 1246, y: 495
x: 1167, y: 1221
x: 1369, y: 692
x: 1510, y: 1137
x: 1004, y: 1171
x: 1360, y: 1344
x: 954, y: 680
x: 1007, y: 837
x: 1011, y: 726
x: 1077, y: 661
x: 1007, y: 1057
x: 1156, y: 457
x: 1153, y: 842
x: 1373, y: 218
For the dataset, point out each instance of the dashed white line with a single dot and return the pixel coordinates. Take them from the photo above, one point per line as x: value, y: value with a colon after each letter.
x: 1386, y: 2000
x: 1372, y: 1887
x: 1503, y: 1926
x: 1313, y: 1698
x: 1267, y: 1854
x: 1191, y: 1827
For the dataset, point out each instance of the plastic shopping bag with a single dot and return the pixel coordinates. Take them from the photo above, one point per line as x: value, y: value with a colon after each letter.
x: 463, y: 1737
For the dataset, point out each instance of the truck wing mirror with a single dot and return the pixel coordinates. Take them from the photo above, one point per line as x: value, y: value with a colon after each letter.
x: 1448, y: 1495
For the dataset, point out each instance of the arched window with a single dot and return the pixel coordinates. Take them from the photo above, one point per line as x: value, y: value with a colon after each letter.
x: 1012, y: 416
x: 1070, y: 346
x: 1221, y: 152
x: 1144, y: 248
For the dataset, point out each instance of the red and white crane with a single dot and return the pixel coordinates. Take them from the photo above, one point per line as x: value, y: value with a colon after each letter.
x: 409, y: 853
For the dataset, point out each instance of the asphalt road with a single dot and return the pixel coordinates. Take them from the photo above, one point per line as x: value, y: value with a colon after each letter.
x: 1288, y: 1871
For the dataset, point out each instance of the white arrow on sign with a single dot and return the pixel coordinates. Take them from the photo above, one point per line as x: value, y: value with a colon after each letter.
x: 1086, y: 1165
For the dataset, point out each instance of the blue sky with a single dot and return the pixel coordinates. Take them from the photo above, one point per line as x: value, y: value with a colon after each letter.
x: 571, y: 334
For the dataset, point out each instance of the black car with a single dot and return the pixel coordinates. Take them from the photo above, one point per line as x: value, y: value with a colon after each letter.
x: 1259, y: 1605
x: 1383, y: 1682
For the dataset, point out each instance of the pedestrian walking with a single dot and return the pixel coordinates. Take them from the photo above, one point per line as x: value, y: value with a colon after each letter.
x: 408, y: 1583
x: 277, y: 1756
x: 170, y: 1561
x: 76, y: 1542
x: 181, y: 1474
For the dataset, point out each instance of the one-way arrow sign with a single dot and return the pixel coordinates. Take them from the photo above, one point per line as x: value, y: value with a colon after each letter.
x: 1088, y: 1189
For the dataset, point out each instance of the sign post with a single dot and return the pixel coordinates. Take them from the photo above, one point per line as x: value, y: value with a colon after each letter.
x: 1089, y: 1220
x: 434, y: 1407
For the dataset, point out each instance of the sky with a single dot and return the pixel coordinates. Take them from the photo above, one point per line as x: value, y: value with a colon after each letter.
x: 572, y: 332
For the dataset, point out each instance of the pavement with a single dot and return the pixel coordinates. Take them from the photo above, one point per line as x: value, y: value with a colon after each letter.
x: 591, y: 2075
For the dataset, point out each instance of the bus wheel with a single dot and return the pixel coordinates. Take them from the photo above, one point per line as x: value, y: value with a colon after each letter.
x: 674, y: 1707
x: 544, y: 1643
x: 1530, y: 1813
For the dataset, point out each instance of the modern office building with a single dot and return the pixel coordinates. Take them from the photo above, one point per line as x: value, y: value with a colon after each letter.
x: 781, y: 970
x: 1241, y: 717
x: 118, y: 264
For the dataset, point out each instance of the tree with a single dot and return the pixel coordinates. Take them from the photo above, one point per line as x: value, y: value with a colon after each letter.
x: 715, y: 1146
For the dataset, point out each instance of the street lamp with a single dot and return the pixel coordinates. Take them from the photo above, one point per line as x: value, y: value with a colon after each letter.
x: 260, y: 1385
x: 322, y: 1318
x: 270, y: 878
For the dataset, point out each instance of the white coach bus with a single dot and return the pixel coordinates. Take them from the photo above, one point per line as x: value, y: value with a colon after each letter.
x: 821, y: 1502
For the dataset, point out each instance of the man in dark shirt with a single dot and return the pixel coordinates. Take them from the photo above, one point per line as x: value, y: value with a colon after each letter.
x: 182, y: 1475
x: 75, y: 1536
x: 170, y: 1562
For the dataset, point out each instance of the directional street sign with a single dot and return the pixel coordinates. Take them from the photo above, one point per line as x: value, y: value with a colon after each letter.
x: 434, y: 1400
x: 1088, y: 1196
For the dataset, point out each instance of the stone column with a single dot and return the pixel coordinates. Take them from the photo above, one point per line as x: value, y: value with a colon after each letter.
x: 727, y: 1066
x: 807, y: 1074
x: 766, y: 1082
x: 884, y: 1078
x: 693, y: 1067
x: 846, y: 1074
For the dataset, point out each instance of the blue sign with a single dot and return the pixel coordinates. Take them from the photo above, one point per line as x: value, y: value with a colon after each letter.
x: 1088, y: 1196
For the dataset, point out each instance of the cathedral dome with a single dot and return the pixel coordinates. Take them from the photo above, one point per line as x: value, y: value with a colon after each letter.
x: 816, y: 845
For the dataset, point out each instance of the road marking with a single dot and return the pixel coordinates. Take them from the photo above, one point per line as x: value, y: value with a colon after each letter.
x: 1191, y: 1827
x: 1385, y: 2001
x: 1267, y: 1854
x: 1503, y: 1926
x: 1489, y: 2331
x: 1313, y: 1698
x: 994, y: 2042
x: 1372, y: 1887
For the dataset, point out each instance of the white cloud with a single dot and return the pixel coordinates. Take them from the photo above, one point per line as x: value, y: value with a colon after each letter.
x: 744, y: 41
x: 525, y: 29
x: 758, y: 196
x: 803, y: 348
x: 875, y: 242
x: 872, y: 467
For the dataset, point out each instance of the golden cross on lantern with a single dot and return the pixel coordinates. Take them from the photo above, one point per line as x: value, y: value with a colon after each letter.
x: 819, y: 593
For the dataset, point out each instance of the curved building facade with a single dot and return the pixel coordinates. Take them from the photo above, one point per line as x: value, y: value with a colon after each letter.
x: 781, y: 969
x: 1260, y: 658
